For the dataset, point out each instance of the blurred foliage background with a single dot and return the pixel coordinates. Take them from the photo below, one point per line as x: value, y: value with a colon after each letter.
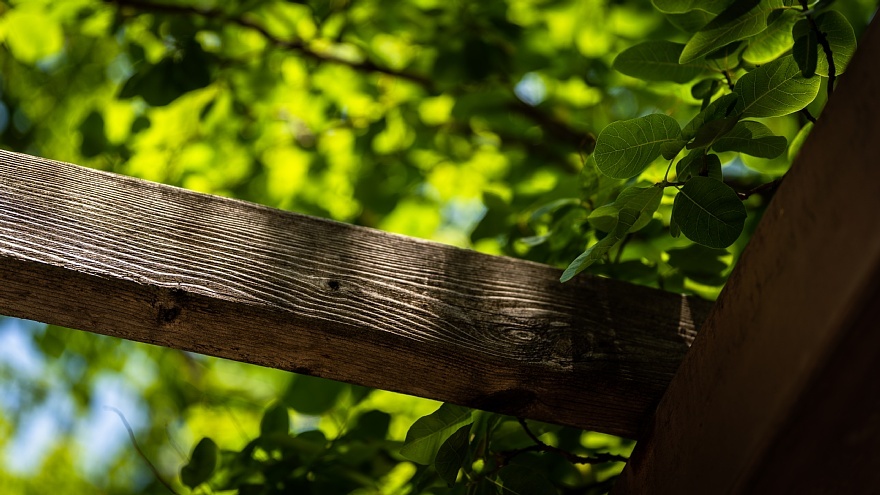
x: 462, y: 122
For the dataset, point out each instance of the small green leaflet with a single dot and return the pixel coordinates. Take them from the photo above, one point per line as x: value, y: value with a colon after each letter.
x: 711, y: 131
x: 752, y: 138
x: 697, y: 162
x: 773, y: 41
x: 682, y: 6
x: 705, y: 89
x: 625, y: 148
x: 428, y: 433
x: 775, y: 89
x: 721, y: 108
x: 625, y: 220
x: 644, y: 200
x: 657, y: 61
x: 744, y: 18
x: 452, y: 454
x: 709, y: 212
x: 806, y: 48
x: 202, y: 463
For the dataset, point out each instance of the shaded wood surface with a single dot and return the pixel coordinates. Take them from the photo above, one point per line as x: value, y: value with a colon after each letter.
x: 157, y: 264
x: 779, y: 392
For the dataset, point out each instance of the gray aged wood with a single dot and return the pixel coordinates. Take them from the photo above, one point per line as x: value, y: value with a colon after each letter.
x: 152, y: 263
x: 780, y: 393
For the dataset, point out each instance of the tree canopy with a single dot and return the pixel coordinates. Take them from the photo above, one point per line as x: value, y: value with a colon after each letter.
x: 633, y: 140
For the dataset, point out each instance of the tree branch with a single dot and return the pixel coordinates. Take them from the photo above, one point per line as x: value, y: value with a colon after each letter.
x: 540, y: 446
x: 140, y: 452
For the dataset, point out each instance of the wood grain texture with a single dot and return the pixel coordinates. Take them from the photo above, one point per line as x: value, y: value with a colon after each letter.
x: 157, y: 264
x: 779, y: 392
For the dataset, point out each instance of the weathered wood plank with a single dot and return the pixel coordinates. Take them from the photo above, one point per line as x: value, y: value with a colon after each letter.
x: 147, y: 262
x: 779, y: 392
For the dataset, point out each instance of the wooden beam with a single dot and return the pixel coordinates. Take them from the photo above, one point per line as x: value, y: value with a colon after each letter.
x: 152, y: 263
x: 779, y: 392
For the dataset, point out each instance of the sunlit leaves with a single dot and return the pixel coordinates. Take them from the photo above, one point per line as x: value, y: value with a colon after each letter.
x: 740, y: 20
x: 426, y: 435
x: 709, y: 212
x: 841, y: 39
x: 752, y: 138
x: 31, y: 34
x: 657, y: 61
x: 773, y: 41
x: 775, y: 89
x: 682, y: 6
x: 202, y: 463
x: 625, y: 148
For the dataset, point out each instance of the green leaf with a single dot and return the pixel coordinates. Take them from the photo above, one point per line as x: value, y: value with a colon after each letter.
x: 518, y: 479
x: 671, y: 149
x: 428, y: 433
x: 657, y: 61
x: 806, y: 48
x: 699, y: 263
x: 705, y: 88
x: 312, y: 395
x: 625, y: 148
x: 773, y: 41
x: 709, y: 212
x: 711, y: 131
x: 690, y: 22
x: 721, y: 108
x: 626, y: 218
x: 696, y: 163
x: 275, y: 420
x: 742, y: 19
x: 752, y: 138
x: 798, y: 141
x: 452, y: 455
x: 682, y: 6
x: 841, y: 38
x: 644, y: 200
x: 202, y: 464
x: 775, y: 89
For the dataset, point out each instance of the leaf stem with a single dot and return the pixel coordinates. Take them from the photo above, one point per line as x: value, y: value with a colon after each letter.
x: 769, y: 186
x: 540, y: 446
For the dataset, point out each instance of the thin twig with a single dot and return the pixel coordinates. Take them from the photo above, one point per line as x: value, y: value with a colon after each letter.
x: 540, y: 446
x: 769, y: 186
x: 140, y: 452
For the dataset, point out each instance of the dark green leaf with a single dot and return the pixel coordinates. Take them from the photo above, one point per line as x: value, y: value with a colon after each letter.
x: 275, y: 420
x: 711, y: 131
x: 721, y: 108
x: 452, y: 455
x: 752, y: 138
x: 312, y: 395
x: 682, y: 6
x: 697, y: 162
x: 428, y: 433
x: 806, y: 49
x: 626, y: 218
x: 705, y: 88
x: 202, y: 463
x: 709, y: 212
x: 740, y: 20
x: 625, y: 148
x: 700, y: 263
x: 517, y: 479
x: 657, y: 61
x: 775, y: 89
